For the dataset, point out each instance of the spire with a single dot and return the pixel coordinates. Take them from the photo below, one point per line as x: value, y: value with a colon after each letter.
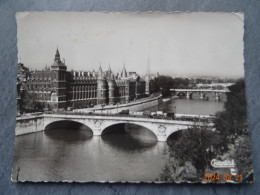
x: 100, y: 72
x: 109, y: 69
x: 57, y: 55
x: 109, y: 73
x: 124, y: 73
x: 100, y: 69
x: 148, y: 72
x: 57, y: 52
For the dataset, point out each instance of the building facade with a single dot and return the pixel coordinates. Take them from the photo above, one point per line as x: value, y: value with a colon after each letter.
x: 57, y: 88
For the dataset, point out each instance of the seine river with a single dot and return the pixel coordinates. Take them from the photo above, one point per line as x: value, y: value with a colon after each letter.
x: 69, y: 152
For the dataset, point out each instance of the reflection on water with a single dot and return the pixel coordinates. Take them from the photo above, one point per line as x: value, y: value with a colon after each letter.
x: 129, y: 138
x: 124, y: 153
x: 68, y: 132
x: 66, y: 154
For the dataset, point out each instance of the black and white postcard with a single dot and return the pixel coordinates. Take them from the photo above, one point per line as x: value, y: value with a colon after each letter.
x: 131, y: 97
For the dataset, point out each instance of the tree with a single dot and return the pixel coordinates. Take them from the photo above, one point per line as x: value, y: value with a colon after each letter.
x: 231, y: 124
x: 29, y: 103
x: 197, y: 145
x: 233, y: 120
x: 165, y: 83
x: 243, y: 159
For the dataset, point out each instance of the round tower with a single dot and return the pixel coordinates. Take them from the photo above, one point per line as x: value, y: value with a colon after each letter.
x: 101, y: 87
x: 111, y: 92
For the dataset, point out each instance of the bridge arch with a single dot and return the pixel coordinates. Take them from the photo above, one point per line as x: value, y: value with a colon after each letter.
x: 176, y: 132
x: 181, y: 93
x: 175, y: 129
x: 65, y: 123
x: 146, y: 126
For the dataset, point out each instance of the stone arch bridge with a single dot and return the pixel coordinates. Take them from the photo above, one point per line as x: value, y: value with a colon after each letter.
x: 189, y: 92
x: 161, y: 128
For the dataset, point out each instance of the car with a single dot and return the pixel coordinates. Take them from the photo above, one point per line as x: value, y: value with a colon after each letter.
x: 124, y: 112
x: 158, y: 116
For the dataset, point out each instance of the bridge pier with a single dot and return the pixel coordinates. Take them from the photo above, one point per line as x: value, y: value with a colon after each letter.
x: 161, y: 138
x: 217, y: 96
x: 201, y: 95
x: 96, y: 132
x: 188, y: 95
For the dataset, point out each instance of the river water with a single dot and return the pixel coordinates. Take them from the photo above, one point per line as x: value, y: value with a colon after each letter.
x: 69, y: 152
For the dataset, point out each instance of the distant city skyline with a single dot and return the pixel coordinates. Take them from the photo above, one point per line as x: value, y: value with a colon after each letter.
x: 175, y: 43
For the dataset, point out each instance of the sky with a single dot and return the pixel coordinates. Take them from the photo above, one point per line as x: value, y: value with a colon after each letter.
x: 185, y: 44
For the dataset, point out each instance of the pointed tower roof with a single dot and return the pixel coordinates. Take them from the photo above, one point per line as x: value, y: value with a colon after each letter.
x: 57, y: 52
x: 148, y: 70
x: 100, y: 69
x: 124, y: 73
x: 57, y: 55
x: 109, y: 73
x: 57, y: 64
x: 109, y: 69
x: 100, y: 72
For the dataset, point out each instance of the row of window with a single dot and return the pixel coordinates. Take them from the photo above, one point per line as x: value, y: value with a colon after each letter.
x: 48, y: 97
x: 40, y: 81
x: 89, y: 87
x: 31, y: 87
x: 84, y: 94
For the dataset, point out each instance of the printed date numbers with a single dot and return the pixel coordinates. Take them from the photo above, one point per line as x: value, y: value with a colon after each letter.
x: 226, y: 177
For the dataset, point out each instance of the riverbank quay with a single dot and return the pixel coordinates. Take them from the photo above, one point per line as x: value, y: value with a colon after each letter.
x: 131, y: 106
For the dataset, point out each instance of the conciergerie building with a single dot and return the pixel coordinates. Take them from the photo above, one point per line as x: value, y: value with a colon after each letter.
x: 58, y: 88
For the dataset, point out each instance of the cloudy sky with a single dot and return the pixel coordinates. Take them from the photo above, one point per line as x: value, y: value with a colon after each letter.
x: 172, y: 43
